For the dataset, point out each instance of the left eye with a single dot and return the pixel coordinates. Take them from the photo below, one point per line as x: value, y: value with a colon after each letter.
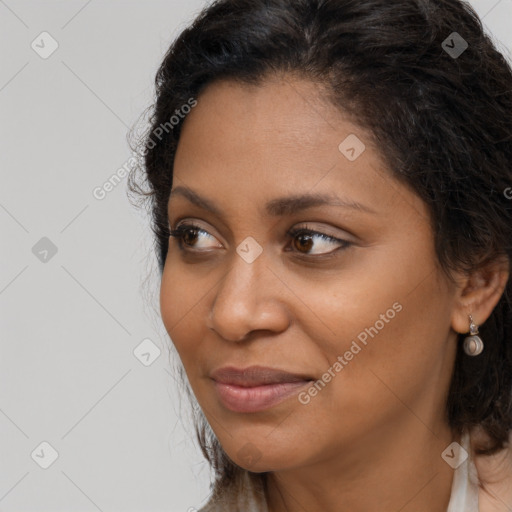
x: 304, y: 240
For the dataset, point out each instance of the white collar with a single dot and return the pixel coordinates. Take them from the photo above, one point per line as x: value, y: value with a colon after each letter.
x: 464, y: 496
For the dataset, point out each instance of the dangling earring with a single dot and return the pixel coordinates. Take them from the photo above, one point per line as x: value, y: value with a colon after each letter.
x: 473, y: 344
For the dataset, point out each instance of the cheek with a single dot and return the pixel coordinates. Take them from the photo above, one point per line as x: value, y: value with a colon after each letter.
x: 182, y: 299
x: 395, y: 356
x: 391, y: 327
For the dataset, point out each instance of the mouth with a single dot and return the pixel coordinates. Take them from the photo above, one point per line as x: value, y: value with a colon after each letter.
x: 256, y: 388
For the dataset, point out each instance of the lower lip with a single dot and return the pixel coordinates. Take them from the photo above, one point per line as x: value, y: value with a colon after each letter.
x: 257, y: 398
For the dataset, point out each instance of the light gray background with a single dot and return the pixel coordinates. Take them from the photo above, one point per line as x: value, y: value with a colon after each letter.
x: 70, y: 325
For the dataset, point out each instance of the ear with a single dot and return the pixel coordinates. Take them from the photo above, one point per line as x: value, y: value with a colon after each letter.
x: 478, y: 293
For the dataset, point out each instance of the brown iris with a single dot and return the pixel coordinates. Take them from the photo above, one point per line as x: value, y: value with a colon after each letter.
x: 190, y: 236
x: 305, y: 242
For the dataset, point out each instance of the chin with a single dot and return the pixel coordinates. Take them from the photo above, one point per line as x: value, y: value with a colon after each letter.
x: 259, y: 457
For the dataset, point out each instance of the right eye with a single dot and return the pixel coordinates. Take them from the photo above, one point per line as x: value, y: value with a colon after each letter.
x: 193, y: 238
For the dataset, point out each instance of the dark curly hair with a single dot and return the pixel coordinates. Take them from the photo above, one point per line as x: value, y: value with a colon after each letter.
x: 442, y: 122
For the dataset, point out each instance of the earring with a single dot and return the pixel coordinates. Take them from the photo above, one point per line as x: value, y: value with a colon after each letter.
x: 473, y: 344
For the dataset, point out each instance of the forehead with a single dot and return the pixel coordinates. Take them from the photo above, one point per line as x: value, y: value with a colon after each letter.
x: 279, y: 113
x: 245, y: 144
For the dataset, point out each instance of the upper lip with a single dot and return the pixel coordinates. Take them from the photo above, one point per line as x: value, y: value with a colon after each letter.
x: 255, y: 376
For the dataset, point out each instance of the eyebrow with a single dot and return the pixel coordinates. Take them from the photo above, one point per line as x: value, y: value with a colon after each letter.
x: 276, y: 207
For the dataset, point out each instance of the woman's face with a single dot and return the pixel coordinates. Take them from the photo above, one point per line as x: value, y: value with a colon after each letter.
x: 355, y: 302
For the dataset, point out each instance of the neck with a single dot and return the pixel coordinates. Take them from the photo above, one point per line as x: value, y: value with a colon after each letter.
x: 387, y: 472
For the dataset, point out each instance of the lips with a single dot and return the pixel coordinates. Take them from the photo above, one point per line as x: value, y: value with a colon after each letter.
x: 255, y: 376
x: 256, y: 388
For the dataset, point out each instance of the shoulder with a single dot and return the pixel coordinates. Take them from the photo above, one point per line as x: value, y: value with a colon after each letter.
x: 494, y: 475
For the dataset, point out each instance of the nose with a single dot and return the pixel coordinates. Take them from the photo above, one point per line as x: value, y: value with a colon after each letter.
x: 249, y: 298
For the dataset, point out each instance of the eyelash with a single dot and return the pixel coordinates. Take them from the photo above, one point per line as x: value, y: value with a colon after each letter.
x: 180, y: 231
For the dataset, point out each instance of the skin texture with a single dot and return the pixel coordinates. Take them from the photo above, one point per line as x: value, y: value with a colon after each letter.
x: 379, y: 424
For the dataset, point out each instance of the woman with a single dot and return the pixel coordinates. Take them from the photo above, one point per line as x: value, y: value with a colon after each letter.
x: 328, y: 184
